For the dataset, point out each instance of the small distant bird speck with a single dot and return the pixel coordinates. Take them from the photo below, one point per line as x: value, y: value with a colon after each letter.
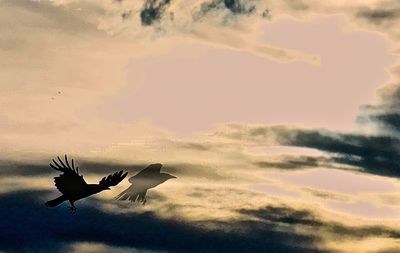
x: 74, y: 187
x: 266, y: 14
x: 146, y: 179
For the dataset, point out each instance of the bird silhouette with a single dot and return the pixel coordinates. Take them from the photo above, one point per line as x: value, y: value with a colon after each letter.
x: 74, y: 187
x: 146, y: 179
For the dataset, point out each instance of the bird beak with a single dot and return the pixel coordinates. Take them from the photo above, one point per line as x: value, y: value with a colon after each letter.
x: 173, y: 177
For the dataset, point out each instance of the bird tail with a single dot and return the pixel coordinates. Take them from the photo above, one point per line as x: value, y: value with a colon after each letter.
x: 132, y: 195
x: 56, y: 202
x: 123, y: 195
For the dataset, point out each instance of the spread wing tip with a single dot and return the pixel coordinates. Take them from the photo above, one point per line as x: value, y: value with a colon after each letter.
x: 64, y: 166
x: 113, y: 179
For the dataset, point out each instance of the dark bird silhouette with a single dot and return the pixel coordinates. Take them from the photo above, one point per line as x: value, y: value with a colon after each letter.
x: 74, y: 187
x: 146, y: 179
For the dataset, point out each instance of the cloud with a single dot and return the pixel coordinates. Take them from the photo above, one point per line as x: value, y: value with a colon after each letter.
x: 327, y: 194
x: 112, y: 16
x: 193, y: 213
x: 91, y: 166
x: 145, y: 230
x: 236, y: 7
x: 12, y: 168
x: 384, y: 117
x: 103, y: 248
x: 239, y: 6
x: 67, y: 17
x: 375, y: 154
x: 277, y: 228
x: 286, y: 215
x: 379, y: 15
x: 296, y: 162
x: 298, y: 5
x: 152, y: 11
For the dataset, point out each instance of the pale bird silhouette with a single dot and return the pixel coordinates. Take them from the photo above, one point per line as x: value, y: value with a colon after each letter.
x: 146, y: 179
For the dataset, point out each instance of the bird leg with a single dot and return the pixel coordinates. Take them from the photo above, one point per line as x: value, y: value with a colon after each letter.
x: 72, y: 208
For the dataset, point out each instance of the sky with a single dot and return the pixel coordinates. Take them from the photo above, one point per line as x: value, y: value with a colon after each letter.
x: 280, y: 120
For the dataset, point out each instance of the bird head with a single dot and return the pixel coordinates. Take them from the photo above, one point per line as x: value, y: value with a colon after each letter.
x: 170, y: 176
x: 166, y: 176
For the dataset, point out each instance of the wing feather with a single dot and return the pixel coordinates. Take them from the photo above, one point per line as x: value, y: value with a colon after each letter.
x: 69, y: 182
x: 113, y: 179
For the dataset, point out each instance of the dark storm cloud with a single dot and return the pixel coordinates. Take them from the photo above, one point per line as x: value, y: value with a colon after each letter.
x: 379, y: 15
x: 32, y: 227
x: 152, y: 11
x: 387, y: 116
x: 375, y: 154
x: 236, y: 7
x: 239, y: 6
x: 282, y: 215
x: 390, y: 120
x: 287, y: 215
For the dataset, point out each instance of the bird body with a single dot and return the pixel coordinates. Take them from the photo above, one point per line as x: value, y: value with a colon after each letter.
x: 74, y: 187
x: 146, y: 179
x: 149, y: 181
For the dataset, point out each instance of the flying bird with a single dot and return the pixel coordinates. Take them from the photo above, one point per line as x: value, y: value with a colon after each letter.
x: 74, y: 187
x: 146, y: 179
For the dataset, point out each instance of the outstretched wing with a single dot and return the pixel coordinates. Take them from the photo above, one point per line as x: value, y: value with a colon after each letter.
x: 113, y: 179
x: 69, y: 182
x: 133, y: 194
x: 149, y: 170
